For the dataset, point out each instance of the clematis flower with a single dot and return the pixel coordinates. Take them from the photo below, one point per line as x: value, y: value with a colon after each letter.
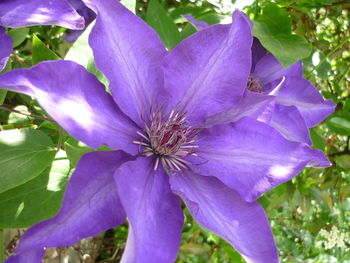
x: 297, y: 106
x: 162, y: 150
x: 23, y: 13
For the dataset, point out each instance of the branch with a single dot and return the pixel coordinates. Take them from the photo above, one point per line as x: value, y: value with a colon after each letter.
x: 27, y: 114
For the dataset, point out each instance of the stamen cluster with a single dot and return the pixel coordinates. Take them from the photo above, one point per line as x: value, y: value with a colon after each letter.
x: 170, y: 140
x: 254, y: 85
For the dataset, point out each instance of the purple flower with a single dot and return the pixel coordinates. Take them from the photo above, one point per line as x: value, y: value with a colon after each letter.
x: 157, y: 114
x: 22, y: 13
x: 280, y: 97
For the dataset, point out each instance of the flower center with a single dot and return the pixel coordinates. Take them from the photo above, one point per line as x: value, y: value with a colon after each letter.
x: 169, y: 139
x: 254, y: 85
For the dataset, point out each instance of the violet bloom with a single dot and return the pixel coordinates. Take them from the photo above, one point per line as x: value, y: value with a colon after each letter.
x: 297, y: 104
x: 156, y: 115
x: 23, y: 13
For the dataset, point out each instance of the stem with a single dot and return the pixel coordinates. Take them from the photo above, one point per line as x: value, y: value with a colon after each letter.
x: 327, y: 56
x: 2, y: 246
x: 27, y: 114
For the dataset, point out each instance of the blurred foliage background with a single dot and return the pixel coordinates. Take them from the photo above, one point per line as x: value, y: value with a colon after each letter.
x: 310, y: 215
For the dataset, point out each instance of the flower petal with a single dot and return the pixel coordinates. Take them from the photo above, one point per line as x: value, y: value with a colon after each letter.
x: 91, y: 204
x: 269, y: 71
x: 252, y: 157
x: 85, y: 12
x: 254, y: 105
x: 222, y: 211
x: 154, y: 213
x: 289, y: 122
x: 208, y: 72
x: 258, y: 51
x: 308, y: 100
x: 77, y: 101
x: 129, y: 53
x: 5, y: 48
x: 31, y: 256
x: 22, y: 13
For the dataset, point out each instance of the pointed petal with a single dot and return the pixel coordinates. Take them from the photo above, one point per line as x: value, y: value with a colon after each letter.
x: 154, y: 213
x: 22, y: 13
x: 77, y: 101
x: 306, y: 98
x: 91, y: 204
x: 221, y: 210
x: 129, y: 53
x: 199, y: 25
x: 252, y: 157
x: 289, y: 122
x: 207, y: 72
x: 85, y: 12
x: 5, y: 48
x: 258, y: 51
x: 255, y: 105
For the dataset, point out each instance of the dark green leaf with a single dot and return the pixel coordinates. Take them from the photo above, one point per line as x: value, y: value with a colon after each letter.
x: 273, y: 29
x: 42, y: 52
x: 163, y: 24
x: 18, y: 35
x: 24, y: 154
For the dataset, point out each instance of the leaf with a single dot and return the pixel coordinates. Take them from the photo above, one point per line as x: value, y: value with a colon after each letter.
x: 273, y: 29
x: 37, y: 199
x: 193, y: 248
x: 317, y: 140
x: 339, y: 125
x: 75, y: 150
x: 40, y: 52
x: 157, y: 18
x: 81, y: 53
x: 18, y: 35
x: 19, y: 119
x: 24, y: 154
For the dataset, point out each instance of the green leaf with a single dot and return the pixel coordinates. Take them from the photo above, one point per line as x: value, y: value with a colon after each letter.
x: 40, y: 52
x: 18, y: 35
x: 81, y: 53
x: 166, y: 28
x: 339, y: 125
x: 75, y: 150
x: 24, y: 154
x: 37, y: 199
x: 317, y: 140
x: 19, y: 119
x: 273, y: 29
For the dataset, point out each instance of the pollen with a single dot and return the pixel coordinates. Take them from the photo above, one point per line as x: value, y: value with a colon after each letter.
x: 169, y: 139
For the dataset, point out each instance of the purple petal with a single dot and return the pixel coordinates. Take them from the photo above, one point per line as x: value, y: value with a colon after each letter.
x: 22, y: 13
x: 268, y: 71
x: 258, y: 51
x: 254, y: 105
x: 91, y: 204
x: 129, y: 53
x: 5, y: 48
x: 289, y: 122
x: 222, y: 211
x: 306, y: 98
x: 31, y: 256
x: 77, y: 101
x: 85, y: 12
x: 198, y: 24
x: 252, y: 157
x: 207, y: 72
x: 154, y: 213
